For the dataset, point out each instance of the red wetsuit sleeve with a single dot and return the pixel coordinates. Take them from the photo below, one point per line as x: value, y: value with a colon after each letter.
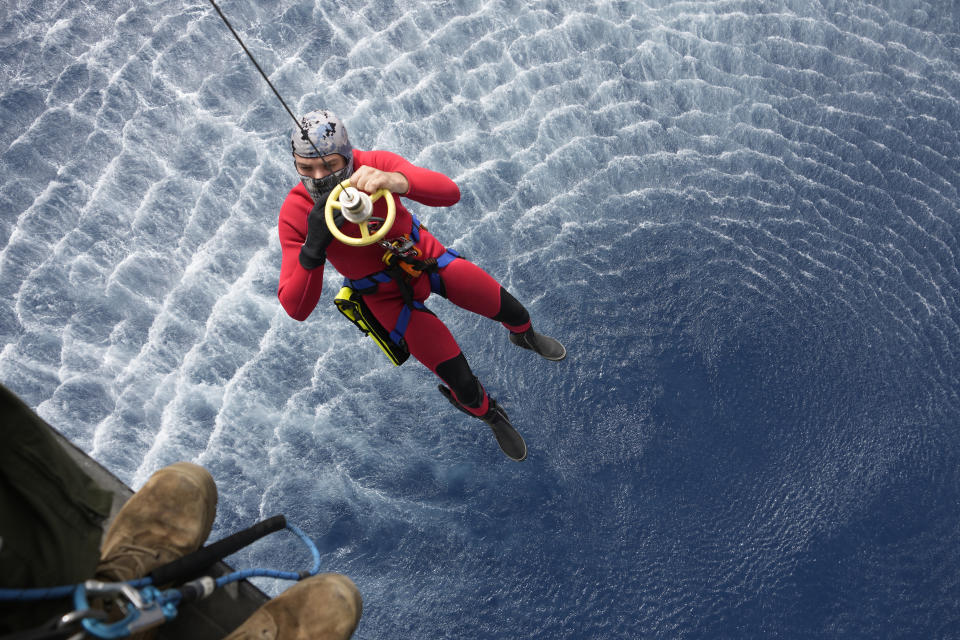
x: 426, y: 187
x: 299, y: 289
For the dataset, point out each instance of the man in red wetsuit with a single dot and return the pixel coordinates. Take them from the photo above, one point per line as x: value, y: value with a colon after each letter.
x: 323, y: 157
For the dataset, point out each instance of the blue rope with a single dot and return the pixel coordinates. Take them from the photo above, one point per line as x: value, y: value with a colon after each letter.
x: 281, y: 575
x: 48, y: 593
x: 53, y: 593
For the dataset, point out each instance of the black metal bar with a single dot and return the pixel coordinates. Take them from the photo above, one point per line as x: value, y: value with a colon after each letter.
x: 194, y: 564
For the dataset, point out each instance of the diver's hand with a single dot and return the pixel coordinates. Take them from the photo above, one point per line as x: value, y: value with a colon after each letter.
x: 368, y: 179
x: 314, y: 250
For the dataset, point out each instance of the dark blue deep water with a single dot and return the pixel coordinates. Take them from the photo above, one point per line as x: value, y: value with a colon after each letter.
x: 742, y: 218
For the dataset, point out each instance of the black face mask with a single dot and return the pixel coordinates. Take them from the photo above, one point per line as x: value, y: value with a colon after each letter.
x: 320, y: 188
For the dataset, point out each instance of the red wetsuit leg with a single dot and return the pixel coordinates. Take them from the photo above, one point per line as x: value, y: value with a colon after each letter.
x: 471, y: 288
x: 430, y: 342
x: 428, y: 338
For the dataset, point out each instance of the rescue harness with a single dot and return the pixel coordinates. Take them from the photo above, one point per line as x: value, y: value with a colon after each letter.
x: 403, y: 265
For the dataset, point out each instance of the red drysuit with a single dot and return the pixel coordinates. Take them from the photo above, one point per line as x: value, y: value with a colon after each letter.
x: 467, y: 285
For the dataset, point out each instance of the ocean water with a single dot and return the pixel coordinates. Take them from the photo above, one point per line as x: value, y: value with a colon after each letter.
x: 740, y: 216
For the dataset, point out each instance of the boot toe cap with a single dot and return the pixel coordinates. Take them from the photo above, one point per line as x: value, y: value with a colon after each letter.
x: 169, y: 517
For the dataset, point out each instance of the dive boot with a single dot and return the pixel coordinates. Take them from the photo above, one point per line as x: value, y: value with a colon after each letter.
x: 169, y: 517
x: 510, y: 441
x: 549, y: 348
x: 323, y: 607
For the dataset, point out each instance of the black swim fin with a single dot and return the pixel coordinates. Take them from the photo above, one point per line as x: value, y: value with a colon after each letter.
x: 510, y: 441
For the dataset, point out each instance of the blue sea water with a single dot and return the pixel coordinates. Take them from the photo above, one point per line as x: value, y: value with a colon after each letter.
x: 740, y: 216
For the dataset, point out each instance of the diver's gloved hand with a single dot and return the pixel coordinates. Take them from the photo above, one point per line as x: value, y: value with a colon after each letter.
x: 314, y: 249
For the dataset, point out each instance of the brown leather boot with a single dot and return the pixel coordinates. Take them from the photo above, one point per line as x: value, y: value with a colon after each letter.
x: 323, y: 607
x: 169, y: 517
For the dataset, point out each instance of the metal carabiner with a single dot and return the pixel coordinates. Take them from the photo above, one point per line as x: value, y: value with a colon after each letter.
x: 97, y: 588
x: 70, y: 621
x: 403, y: 246
x: 147, y: 610
x: 80, y: 614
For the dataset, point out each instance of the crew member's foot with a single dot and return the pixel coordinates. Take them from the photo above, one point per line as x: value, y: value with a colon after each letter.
x: 169, y: 517
x: 323, y: 607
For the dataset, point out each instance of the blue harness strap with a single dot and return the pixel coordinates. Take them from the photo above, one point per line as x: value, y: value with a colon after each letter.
x: 415, y: 229
x: 369, y: 284
x: 436, y: 283
x: 404, y: 319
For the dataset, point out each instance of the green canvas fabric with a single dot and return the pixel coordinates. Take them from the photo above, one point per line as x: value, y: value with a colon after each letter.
x: 51, y: 513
